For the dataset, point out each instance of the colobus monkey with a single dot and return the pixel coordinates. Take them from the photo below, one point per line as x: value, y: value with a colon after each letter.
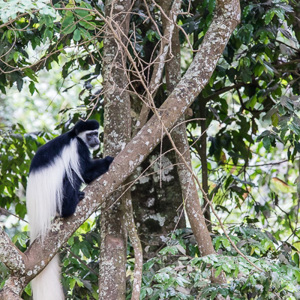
x: 56, y: 173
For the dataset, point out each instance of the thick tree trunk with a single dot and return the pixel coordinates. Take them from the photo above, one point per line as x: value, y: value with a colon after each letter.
x: 157, y: 198
x: 157, y: 194
x: 117, y: 128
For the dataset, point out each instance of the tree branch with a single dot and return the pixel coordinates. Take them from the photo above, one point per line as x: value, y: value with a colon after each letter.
x: 10, y: 255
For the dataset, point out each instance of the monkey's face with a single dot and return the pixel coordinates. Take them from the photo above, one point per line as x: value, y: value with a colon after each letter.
x: 91, y: 139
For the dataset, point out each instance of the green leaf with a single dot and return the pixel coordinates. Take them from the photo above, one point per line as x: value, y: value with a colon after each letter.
x: 68, y: 24
x: 226, y: 243
x: 169, y: 250
x: 72, y: 283
x: 28, y: 290
x: 275, y: 119
x: 297, y: 275
x: 218, y: 271
x: 88, y: 25
x: 85, y: 249
x: 76, y: 35
x: 20, y: 210
x: 30, y: 73
x: 16, y: 56
x: 151, y: 35
x: 236, y: 271
x: 267, y: 143
x: 21, y: 238
x: 211, y: 5
x: 269, y: 16
x: 296, y: 259
x: 271, y: 13
x: 258, y: 69
x: 295, y: 128
x: 48, y: 33
x: 31, y: 87
x: 83, y: 14
x: 19, y: 83
x: 226, y: 268
x: 79, y: 282
x: 246, y: 75
x: 84, y: 33
x: 48, y: 21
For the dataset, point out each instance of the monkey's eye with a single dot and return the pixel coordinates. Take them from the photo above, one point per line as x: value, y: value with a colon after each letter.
x: 92, y: 135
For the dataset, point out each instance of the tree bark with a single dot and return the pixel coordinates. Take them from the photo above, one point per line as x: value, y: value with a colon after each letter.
x: 11, y: 290
x: 137, y: 248
x: 157, y: 194
x: 117, y: 129
x: 225, y: 20
x: 156, y: 198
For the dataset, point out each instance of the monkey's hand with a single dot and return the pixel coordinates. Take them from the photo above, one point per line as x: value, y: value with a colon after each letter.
x: 109, y: 159
x: 80, y: 195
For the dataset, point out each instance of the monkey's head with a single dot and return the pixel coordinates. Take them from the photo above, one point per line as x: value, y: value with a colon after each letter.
x: 88, y: 132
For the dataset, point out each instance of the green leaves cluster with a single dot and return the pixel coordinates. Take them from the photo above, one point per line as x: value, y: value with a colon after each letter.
x: 16, y: 151
x: 256, y: 70
x: 251, y: 111
x: 57, y: 28
x: 80, y: 262
x: 10, y: 9
x: 79, y: 21
x: 178, y: 272
x: 286, y: 125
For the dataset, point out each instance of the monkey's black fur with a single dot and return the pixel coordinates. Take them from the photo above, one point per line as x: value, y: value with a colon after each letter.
x: 89, y: 169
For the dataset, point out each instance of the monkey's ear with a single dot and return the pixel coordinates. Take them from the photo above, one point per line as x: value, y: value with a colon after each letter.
x: 74, y: 132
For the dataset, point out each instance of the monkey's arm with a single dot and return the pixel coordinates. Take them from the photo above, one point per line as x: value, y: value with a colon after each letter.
x: 96, y: 168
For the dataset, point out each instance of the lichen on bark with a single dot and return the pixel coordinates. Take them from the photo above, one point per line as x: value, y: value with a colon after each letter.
x: 117, y: 128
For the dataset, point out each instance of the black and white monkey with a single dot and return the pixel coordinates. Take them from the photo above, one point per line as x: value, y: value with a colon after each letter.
x: 56, y: 173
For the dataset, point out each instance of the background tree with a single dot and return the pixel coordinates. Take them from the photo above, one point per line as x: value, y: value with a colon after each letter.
x: 243, y: 130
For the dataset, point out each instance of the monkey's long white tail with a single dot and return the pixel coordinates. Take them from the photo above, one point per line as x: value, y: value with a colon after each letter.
x: 44, y: 188
x: 47, y: 286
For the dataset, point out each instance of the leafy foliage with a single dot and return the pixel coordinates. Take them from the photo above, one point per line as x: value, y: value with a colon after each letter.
x: 252, y: 104
x: 80, y: 262
x: 178, y: 273
x: 16, y: 151
x: 10, y: 9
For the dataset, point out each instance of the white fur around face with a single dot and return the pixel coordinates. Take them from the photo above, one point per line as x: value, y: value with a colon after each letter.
x: 83, y: 134
x: 44, y: 192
